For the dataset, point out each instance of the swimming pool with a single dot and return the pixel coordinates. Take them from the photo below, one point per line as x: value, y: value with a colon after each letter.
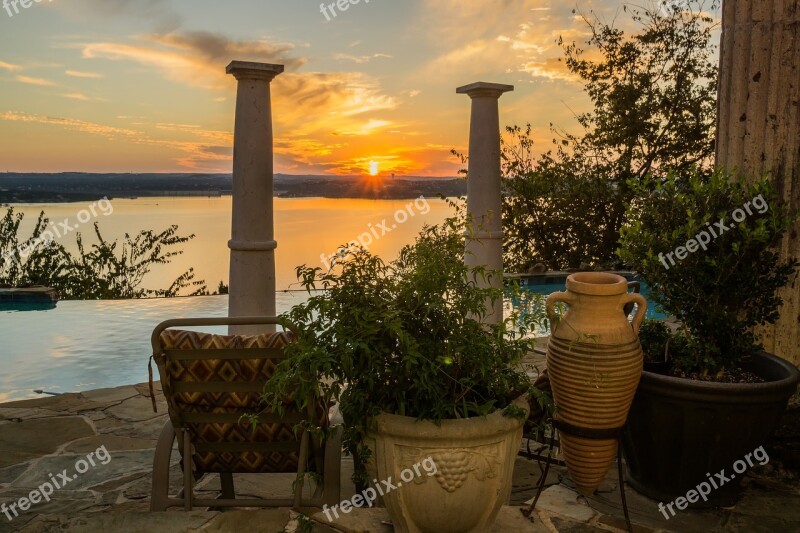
x: 84, y: 345
x: 537, y: 286
x: 549, y: 288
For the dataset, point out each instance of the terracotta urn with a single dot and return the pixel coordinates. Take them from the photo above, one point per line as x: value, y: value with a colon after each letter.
x: 594, y: 361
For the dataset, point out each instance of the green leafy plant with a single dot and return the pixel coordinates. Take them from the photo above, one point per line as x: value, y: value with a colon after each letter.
x: 403, y: 337
x: 103, y: 271
x: 721, y: 290
x: 543, y: 410
x: 661, y: 345
x: 654, y: 336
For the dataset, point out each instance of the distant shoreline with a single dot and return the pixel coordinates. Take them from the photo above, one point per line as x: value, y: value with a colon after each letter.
x: 69, y: 187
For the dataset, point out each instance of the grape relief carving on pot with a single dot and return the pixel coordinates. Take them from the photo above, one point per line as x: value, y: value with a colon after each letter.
x: 455, y: 465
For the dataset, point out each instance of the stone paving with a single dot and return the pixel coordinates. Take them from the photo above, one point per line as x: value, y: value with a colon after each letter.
x: 45, y: 436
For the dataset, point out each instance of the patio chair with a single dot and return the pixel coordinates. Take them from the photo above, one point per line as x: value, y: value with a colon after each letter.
x: 209, y: 382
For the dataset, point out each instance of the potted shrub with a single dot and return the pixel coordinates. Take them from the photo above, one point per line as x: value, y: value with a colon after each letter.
x: 709, y: 395
x: 401, y: 348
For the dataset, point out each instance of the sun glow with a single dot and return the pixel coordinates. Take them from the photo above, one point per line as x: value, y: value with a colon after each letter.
x: 373, y: 168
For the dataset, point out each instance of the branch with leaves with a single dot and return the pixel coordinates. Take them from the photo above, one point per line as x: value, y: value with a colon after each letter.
x: 104, y: 270
x: 654, y: 110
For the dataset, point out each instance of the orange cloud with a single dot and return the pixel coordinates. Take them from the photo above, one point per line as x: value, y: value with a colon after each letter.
x: 193, y: 58
x: 77, y: 96
x: 72, y: 124
x: 514, y: 36
x: 202, y: 155
x: 9, y: 66
x: 360, y: 59
x: 306, y: 103
x: 302, y: 153
x: 35, y: 81
x: 369, y: 128
x: 79, y: 74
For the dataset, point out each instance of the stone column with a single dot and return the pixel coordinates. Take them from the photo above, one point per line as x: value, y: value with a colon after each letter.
x: 484, y: 201
x: 759, y: 123
x: 252, y: 244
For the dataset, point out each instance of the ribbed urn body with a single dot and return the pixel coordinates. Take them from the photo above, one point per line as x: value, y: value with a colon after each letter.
x: 594, y: 361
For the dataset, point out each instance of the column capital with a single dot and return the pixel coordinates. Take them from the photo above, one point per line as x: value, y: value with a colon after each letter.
x: 483, y: 89
x: 248, y: 70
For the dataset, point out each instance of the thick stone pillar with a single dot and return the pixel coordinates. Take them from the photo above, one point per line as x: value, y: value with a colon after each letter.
x: 759, y: 123
x: 484, y: 201
x: 252, y: 244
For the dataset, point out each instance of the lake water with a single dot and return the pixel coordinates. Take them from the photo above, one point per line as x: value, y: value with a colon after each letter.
x: 305, y: 228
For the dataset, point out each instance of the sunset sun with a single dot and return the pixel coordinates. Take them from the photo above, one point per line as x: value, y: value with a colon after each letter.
x: 373, y: 168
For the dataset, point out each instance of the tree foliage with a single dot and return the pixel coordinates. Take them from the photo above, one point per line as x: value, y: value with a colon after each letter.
x: 706, y: 246
x: 654, y: 108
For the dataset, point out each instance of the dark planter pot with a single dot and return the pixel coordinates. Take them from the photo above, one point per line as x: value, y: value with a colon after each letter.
x: 680, y: 430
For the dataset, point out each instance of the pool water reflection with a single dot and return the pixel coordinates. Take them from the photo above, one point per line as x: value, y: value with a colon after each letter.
x: 88, y: 345
x: 84, y: 345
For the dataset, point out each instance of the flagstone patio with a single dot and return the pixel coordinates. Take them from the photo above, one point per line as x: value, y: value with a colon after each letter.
x: 44, y: 436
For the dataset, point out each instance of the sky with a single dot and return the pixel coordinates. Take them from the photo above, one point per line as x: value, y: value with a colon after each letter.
x: 140, y: 85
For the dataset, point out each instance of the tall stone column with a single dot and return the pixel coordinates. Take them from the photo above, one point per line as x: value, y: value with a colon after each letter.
x: 484, y: 200
x: 759, y: 123
x: 252, y: 244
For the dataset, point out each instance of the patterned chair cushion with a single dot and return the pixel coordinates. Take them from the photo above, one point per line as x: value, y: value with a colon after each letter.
x: 255, y: 370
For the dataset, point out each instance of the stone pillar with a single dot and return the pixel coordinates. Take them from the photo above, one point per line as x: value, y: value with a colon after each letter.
x: 484, y: 201
x: 252, y: 244
x: 759, y: 123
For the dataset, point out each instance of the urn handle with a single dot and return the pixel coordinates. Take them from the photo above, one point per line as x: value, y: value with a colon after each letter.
x: 641, y: 309
x: 552, y: 300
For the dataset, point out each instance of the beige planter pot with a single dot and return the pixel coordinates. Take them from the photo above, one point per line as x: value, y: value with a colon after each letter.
x: 474, y: 460
x: 594, y: 361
